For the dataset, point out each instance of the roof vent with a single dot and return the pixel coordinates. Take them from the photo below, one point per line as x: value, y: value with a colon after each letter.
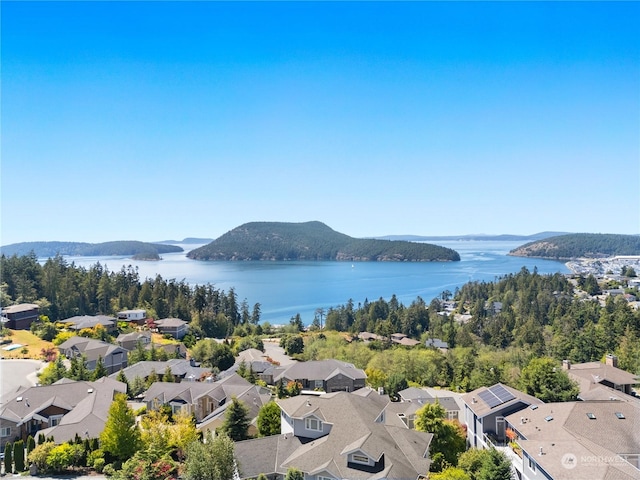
x: 90, y: 390
x: 541, y: 452
x: 308, y: 403
x: 473, y: 399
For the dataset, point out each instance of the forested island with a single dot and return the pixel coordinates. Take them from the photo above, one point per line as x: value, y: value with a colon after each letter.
x: 313, y: 241
x: 81, y: 249
x: 581, y: 245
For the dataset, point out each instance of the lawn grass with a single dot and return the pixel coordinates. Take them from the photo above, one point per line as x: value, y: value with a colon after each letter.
x: 33, y: 344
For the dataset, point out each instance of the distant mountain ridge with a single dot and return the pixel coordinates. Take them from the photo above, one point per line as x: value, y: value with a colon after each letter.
x: 312, y: 241
x: 581, y: 245
x: 188, y: 240
x: 481, y: 237
x: 81, y: 249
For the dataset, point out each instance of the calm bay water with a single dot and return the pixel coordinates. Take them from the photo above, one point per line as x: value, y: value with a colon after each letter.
x: 286, y: 288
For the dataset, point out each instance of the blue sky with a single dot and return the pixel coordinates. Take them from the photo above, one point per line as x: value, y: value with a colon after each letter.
x: 158, y: 120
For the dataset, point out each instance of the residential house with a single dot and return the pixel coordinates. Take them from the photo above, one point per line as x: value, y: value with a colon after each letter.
x: 402, y: 339
x: 207, y: 401
x: 61, y: 410
x: 181, y: 369
x: 335, y: 436
x: 437, y: 344
x: 326, y: 375
x: 591, y: 375
x: 485, y: 410
x: 592, y: 440
x: 257, y: 361
x: 136, y: 316
x: 114, y: 357
x: 252, y: 396
x: 369, y: 337
x: 129, y: 341
x: 173, y: 350
x: 21, y: 316
x: 420, y: 397
x: 78, y: 323
x: 172, y: 326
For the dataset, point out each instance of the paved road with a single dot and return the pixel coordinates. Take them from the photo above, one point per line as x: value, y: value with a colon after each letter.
x: 16, y: 373
x: 273, y: 349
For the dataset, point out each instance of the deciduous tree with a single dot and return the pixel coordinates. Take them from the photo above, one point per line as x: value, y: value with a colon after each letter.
x: 269, y: 419
x: 120, y: 437
x: 211, y: 460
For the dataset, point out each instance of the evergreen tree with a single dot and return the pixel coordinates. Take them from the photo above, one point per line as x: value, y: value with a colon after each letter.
x: 236, y: 423
x: 294, y: 474
x: 31, y: 444
x: 152, y: 378
x: 281, y: 391
x: 8, y: 458
x: 18, y: 456
x: 168, y: 376
x: 495, y: 467
x: 123, y: 378
x: 120, y: 437
x: 100, y: 370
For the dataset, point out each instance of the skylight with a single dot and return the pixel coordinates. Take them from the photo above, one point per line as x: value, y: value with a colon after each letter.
x: 591, y: 416
x: 533, y: 407
x: 620, y: 415
x: 548, y: 419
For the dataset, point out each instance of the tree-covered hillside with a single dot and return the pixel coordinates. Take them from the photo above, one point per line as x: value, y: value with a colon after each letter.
x: 312, y: 241
x: 124, y: 247
x: 581, y: 245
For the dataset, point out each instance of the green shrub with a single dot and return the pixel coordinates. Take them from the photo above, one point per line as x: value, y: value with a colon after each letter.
x: 109, y: 470
x: 99, y: 465
x: 39, y: 456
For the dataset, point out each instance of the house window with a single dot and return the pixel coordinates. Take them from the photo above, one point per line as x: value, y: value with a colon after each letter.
x: 312, y: 423
x: 452, y: 414
x: 360, y: 459
x: 54, y: 420
x: 532, y: 465
x: 318, y: 384
x: 5, y: 432
x: 320, y: 477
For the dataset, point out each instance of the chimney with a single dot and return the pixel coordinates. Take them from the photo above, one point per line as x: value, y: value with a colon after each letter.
x: 566, y: 365
x: 611, y: 360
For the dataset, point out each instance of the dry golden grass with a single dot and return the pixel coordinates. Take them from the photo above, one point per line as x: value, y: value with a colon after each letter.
x: 158, y: 339
x: 33, y: 344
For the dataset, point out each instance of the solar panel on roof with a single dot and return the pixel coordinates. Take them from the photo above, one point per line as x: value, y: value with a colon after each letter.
x: 502, y: 393
x: 496, y: 395
x: 489, y: 398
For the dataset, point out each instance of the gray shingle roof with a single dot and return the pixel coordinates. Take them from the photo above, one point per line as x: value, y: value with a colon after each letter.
x: 319, y: 370
x: 353, y: 427
x: 87, y: 404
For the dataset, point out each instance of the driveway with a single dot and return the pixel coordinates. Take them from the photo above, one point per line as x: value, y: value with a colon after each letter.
x: 273, y: 349
x: 17, y: 373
